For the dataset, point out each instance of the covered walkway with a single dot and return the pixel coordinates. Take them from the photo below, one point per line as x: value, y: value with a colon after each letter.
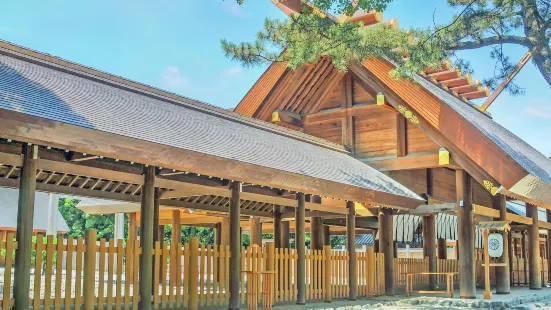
x: 73, y: 130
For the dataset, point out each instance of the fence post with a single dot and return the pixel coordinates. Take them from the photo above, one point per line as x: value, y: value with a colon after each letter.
x: 270, y: 266
x: 327, y: 277
x: 370, y: 272
x: 193, y: 274
x: 90, y: 270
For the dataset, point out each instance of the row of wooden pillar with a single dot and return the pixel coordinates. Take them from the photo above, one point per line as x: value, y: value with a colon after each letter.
x: 150, y: 233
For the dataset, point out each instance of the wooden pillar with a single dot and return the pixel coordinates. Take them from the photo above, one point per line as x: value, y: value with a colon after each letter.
x: 503, y: 276
x: 430, y: 246
x: 235, y: 245
x: 256, y: 231
x: 24, y: 232
x: 424, y: 233
x: 351, y: 245
x: 132, y: 227
x: 316, y: 229
x: 285, y: 234
x: 467, y: 276
x: 316, y: 233
x: 156, y: 235
x: 524, y: 256
x: 386, y: 246
x: 442, y: 248
x: 534, y: 258
x: 277, y: 227
x: 300, y: 245
x: 326, y: 236
x: 225, y: 231
x: 511, y: 245
x: 217, y: 233
x: 176, y: 239
x: 146, y: 237
x: 457, y: 249
x: 161, y: 234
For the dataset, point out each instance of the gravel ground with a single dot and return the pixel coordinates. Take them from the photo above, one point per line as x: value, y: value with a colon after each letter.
x: 63, y: 283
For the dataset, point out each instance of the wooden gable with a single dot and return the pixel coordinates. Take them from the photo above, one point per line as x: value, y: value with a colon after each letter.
x: 380, y: 134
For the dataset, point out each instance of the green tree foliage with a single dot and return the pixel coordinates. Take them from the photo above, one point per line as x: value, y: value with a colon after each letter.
x: 479, y: 23
x: 79, y: 221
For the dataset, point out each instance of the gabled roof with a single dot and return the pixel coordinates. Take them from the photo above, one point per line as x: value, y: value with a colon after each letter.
x: 522, y: 171
x: 494, y: 156
x: 41, y: 86
x: 534, y: 162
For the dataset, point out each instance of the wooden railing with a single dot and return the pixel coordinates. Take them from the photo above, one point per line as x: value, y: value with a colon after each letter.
x: 65, y: 275
x: 404, y: 265
x: 447, y: 265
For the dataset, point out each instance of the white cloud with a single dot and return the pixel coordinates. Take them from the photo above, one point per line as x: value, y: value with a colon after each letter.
x: 233, y: 8
x: 540, y: 111
x: 233, y: 71
x: 173, y: 78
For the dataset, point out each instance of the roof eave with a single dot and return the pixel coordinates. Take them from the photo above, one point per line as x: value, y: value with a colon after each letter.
x: 530, y: 189
x: 31, y: 129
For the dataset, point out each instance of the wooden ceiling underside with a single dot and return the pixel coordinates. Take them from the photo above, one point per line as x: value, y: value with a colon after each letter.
x: 82, y: 175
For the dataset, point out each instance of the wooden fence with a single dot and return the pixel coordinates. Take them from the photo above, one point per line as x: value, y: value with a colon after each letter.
x: 520, y: 271
x: 405, y: 265
x: 191, y: 274
x: 371, y: 274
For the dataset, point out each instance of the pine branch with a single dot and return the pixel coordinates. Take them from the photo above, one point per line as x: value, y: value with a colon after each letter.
x: 490, y: 41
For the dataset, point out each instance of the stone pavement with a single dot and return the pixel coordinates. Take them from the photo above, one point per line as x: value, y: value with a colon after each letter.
x: 521, y: 298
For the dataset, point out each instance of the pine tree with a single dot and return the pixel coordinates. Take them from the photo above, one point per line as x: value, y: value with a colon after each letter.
x: 481, y: 23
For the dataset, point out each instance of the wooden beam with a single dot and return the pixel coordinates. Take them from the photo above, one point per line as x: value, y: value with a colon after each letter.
x: 485, y: 211
x: 519, y: 219
x: 336, y: 113
x: 347, y: 120
x: 83, y: 157
x: 361, y: 222
x: 287, y: 119
x: 211, y: 208
x: 401, y: 136
x: 506, y: 81
x: 410, y: 162
x: 433, y: 209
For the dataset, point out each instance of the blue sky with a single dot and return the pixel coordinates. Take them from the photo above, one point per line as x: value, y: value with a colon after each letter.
x: 175, y: 45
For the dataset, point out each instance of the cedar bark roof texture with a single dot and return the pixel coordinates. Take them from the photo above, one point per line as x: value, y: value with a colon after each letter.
x: 47, y: 90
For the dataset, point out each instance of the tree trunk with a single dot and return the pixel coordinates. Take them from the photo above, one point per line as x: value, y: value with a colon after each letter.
x: 542, y: 59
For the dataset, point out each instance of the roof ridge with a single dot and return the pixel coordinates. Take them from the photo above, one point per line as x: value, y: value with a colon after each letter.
x: 151, y: 91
